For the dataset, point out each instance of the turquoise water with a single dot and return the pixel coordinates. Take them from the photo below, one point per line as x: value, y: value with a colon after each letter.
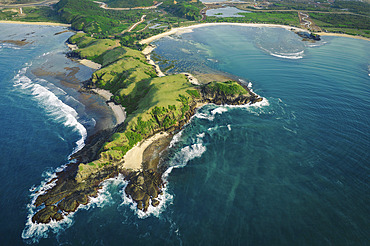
x: 293, y: 170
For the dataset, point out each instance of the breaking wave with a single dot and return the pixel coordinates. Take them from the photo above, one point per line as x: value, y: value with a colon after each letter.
x: 52, y: 104
x: 33, y: 232
x: 68, y: 116
x: 294, y: 56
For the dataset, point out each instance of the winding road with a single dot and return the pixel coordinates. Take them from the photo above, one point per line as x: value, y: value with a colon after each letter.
x: 136, y: 24
x: 105, y: 6
x: 306, y: 23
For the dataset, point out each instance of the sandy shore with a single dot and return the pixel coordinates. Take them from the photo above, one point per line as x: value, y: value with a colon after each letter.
x: 35, y: 23
x: 85, y: 62
x: 72, y: 46
x: 341, y: 35
x: 90, y: 64
x: 147, y: 52
x: 118, y: 110
x: 134, y: 157
x: 180, y: 30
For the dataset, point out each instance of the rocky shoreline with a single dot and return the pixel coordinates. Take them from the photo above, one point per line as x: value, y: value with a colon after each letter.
x: 144, y: 186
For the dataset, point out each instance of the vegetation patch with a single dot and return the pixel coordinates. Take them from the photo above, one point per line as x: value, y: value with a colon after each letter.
x: 228, y: 88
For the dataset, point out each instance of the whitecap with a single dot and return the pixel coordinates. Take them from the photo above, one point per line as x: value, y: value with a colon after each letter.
x: 52, y: 104
x: 33, y: 232
x: 294, y: 56
x: 164, y: 200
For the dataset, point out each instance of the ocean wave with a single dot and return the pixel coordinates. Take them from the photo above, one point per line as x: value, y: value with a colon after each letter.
x: 285, y: 55
x: 33, y: 232
x: 211, y: 115
x: 52, y: 104
x: 294, y: 56
x: 9, y: 46
x: 181, y: 158
x: 164, y: 199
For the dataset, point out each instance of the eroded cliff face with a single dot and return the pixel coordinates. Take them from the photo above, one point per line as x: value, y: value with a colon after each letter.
x: 144, y: 186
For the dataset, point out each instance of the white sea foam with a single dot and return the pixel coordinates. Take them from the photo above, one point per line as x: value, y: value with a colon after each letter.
x: 164, y: 200
x: 287, y: 55
x: 33, y: 232
x: 52, y: 104
x: 176, y: 138
x: 180, y: 159
x: 211, y: 115
x: 67, y: 116
x: 293, y: 56
x: 9, y: 46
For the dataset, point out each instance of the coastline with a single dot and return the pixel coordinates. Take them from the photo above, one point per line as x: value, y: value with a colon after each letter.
x: 35, y: 23
x: 134, y: 157
x: 147, y: 51
x: 83, y: 179
x: 85, y: 62
x: 118, y: 110
x: 341, y: 35
x: 180, y: 30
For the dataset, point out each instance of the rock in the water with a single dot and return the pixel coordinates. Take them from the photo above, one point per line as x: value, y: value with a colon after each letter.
x: 155, y: 202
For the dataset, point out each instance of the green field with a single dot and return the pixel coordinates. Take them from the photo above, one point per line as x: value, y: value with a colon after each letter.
x: 283, y: 18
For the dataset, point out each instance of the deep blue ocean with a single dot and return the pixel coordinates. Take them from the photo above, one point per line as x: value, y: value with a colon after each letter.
x: 293, y: 170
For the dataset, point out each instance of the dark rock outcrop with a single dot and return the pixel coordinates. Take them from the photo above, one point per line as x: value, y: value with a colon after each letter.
x: 310, y: 36
x: 144, y: 186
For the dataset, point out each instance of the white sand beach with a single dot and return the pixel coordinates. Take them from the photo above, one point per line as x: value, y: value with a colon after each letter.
x: 341, y: 35
x: 180, y: 30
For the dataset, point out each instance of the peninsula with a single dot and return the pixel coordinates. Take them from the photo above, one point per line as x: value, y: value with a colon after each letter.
x: 115, y: 40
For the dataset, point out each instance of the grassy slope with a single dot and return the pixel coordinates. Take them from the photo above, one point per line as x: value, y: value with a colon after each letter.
x: 229, y: 88
x: 284, y: 18
x: 92, y: 48
x: 153, y: 103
